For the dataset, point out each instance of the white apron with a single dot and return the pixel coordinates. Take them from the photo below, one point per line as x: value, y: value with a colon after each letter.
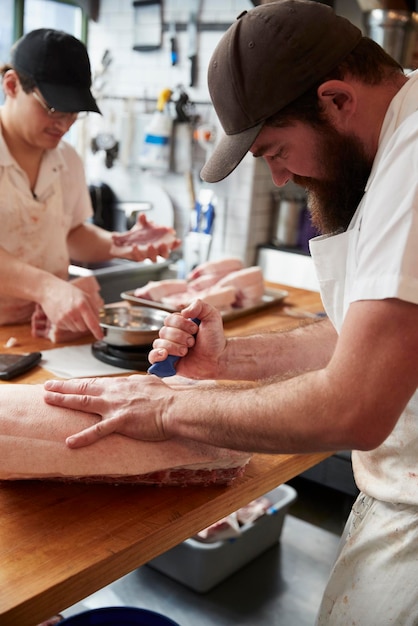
x: 329, y: 254
x: 374, y: 578
x: 389, y: 472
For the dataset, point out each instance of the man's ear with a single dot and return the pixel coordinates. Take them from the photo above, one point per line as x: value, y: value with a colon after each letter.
x: 10, y: 83
x: 338, y: 100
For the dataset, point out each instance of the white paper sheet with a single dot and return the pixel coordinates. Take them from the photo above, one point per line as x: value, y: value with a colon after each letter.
x: 77, y: 362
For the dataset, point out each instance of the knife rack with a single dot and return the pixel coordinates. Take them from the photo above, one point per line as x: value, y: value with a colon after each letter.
x: 201, y: 26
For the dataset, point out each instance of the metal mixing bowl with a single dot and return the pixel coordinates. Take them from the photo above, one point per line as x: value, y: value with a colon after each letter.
x: 131, y: 325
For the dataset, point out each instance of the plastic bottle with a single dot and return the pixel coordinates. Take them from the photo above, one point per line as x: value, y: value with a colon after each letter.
x: 156, y: 150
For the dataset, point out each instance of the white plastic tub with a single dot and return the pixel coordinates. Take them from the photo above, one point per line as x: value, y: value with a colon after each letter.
x: 201, y: 566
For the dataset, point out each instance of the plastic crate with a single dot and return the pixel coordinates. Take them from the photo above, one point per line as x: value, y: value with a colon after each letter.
x: 201, y: 566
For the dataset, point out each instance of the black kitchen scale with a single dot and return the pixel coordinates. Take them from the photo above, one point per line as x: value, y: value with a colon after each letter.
x: 126, y: 357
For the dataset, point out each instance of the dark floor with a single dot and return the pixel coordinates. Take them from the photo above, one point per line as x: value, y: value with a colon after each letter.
x: 281, y: 587
x: 321, y: 506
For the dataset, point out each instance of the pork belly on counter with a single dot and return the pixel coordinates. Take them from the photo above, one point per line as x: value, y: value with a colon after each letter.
x: 32, y: 446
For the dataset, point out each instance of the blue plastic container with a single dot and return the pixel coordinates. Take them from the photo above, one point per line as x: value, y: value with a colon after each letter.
x: 118, y: 616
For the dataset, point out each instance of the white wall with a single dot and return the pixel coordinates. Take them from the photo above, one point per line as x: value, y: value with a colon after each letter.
x: 127, y: 95
x: 127, y: 99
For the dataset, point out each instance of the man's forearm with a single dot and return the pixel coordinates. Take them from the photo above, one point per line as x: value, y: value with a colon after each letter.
x: 275, y: 354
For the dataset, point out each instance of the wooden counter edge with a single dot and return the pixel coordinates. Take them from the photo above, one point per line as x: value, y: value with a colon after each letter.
x: 257, y: 480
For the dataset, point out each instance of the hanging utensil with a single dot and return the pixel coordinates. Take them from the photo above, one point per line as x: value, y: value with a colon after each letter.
x: 173, y: 44
x: 198, y: 242
x: 192, y: 32
x: 148, y: 20
x: 204, y: 212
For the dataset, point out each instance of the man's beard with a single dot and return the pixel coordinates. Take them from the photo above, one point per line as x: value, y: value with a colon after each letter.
x: 333, y: 199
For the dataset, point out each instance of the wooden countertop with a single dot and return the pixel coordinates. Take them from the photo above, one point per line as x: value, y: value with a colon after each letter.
x: 61, y: 542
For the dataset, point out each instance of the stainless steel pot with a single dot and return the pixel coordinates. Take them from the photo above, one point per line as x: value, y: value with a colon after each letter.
x: 287, y: 221
x: 396, y: 31
x: 131, y: 325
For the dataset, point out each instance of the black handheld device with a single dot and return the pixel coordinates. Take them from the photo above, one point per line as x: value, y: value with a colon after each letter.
x: 12, y: 365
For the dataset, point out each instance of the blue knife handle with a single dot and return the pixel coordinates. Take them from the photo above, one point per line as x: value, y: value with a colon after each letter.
x: 164, y: 368
x: 209, y: 217
x: 174, y: 53
x: 204, y: 216
x: 167, y: 367
x: 197, y: 217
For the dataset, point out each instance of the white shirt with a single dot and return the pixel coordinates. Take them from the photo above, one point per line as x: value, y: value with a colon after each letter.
x: 377, y: 258
x: 35, y: 229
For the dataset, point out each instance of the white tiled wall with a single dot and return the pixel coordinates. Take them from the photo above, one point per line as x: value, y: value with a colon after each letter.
x: 127, y: 96
x: 130, y: 89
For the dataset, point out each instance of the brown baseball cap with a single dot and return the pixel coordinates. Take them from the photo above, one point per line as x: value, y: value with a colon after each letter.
x: 270, y: 56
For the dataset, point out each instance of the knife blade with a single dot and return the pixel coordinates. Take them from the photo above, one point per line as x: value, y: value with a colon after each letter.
x: 192, y: 53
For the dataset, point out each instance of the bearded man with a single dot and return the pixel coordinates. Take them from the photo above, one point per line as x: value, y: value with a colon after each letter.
x: 300, y: 87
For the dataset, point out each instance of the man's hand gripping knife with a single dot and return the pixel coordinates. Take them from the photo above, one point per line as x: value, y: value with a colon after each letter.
x: 167, y: 367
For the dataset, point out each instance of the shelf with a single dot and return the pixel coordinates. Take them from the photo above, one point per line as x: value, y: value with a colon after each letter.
x: 291, y: 249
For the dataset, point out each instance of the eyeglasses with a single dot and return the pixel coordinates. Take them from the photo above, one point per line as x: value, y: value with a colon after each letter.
x: 57, y: 115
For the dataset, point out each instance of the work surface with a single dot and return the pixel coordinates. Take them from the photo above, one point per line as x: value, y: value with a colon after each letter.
x: 61, y: 542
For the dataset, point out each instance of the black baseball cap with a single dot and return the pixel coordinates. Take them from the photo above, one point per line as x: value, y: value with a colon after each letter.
x: 269, y: 57
x: 59, y: 65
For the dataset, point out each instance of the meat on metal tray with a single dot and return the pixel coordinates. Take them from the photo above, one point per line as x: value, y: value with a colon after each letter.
x: 269, y: 298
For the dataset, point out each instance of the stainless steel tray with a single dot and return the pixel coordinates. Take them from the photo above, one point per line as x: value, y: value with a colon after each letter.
x: 270, y: 297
